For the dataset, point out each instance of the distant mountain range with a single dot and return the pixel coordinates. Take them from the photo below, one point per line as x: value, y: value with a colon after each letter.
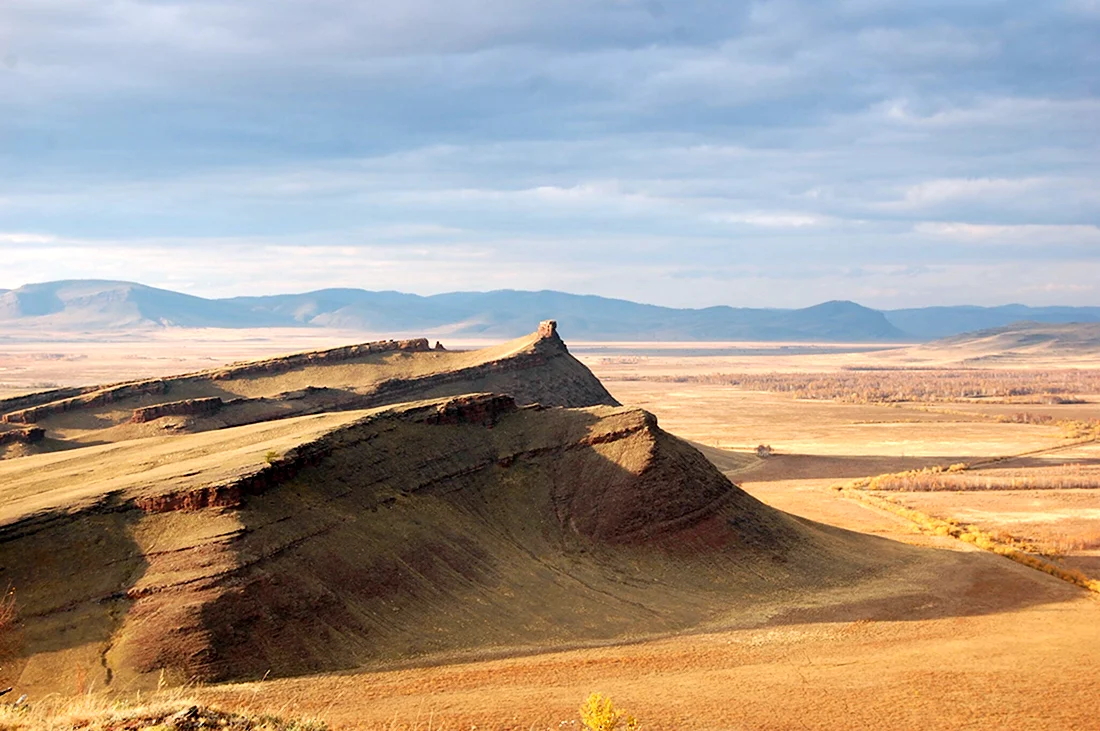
x: 92, y: 306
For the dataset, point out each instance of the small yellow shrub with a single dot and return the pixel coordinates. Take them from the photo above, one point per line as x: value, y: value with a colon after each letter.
x: 598, y: 713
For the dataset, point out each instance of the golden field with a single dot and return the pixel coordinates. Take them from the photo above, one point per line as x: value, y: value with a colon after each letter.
x: 959, y: 638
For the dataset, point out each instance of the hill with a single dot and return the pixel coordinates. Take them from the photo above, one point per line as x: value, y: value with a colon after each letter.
x: 114, y: 307
x: 505, y: 312
x: 927, y: 323
x: 105, y: 305
x: 385, y: 535
x: 1021, y: 345
x: 119, y: 306
x: 1030, y: 340
x: 399, y: 517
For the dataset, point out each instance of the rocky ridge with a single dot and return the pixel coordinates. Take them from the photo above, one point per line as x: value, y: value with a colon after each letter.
x: 445, y: 518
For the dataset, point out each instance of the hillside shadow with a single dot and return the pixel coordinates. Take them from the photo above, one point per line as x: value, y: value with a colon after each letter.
x: 70, y: 574
x: 942, y: 584
x: 1025, y: 462
x: 1086, y: 564
x: 781, y: 467
x: 469, y: 552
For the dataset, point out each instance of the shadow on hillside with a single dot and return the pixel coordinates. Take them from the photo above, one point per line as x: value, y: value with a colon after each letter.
x: 418, y: 541
x: 942, y: 584
x: 1087, y: 564
x: 838, y: 467
x: 70, y: 574
x: 1053, y: 461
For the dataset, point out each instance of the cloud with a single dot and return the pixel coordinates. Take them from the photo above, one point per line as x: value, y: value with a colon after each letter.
x: 949, y: 190
x: 776, y: 219
x: 624, y: 141
x: 1030, y: 235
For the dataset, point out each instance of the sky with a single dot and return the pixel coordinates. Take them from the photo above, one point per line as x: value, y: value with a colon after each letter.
x: 685, y: 153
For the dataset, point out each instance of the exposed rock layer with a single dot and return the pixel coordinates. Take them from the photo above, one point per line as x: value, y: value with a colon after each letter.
x: 31, y: 435
x: 187, y: 407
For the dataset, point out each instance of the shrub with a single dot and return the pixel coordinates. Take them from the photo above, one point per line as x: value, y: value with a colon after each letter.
x: 598, y: 713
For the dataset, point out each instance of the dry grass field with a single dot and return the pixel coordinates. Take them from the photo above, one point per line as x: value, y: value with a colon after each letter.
x: 1047, y: 498
x: 960, y: 639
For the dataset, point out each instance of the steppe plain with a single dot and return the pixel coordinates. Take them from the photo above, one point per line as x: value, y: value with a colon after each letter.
x: 962, y: 638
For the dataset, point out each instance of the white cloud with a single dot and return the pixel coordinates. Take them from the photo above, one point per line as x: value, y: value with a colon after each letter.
x: 17, y: 238
x: 955, y: 190
x: 777, y: 219
x: 473, y: 141
x: 1027, y: 234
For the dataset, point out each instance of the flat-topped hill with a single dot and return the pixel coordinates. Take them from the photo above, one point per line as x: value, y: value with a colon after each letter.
x: 1029, y: 337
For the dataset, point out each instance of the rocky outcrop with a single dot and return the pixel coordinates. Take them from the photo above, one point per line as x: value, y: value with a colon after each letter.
x: 212, y: 496
x: 539, y: 369
x: 480, y: 409
x: 99, y: 397
x: 188, y: 407
x: 31, y: 435
x: 545, y: 373
x: 320, y: 357
x: 19, y: 403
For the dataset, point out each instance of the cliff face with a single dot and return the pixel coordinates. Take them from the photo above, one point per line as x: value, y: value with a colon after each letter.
x: 346, y: 540
x: 187, y: 407
x: 30, y: 435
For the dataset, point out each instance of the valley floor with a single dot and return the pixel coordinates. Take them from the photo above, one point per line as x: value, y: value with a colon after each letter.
x: 972, y: 641
x: 963, y: 639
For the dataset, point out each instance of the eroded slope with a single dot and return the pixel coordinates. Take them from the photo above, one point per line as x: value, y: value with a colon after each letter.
x: 318, y: 543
